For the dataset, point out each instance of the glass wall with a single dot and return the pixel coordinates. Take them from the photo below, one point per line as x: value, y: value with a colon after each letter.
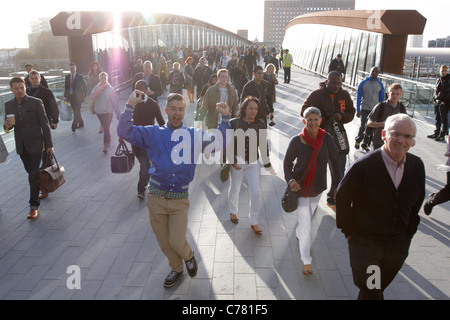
x: 313, y: 46
x: 117, y: 51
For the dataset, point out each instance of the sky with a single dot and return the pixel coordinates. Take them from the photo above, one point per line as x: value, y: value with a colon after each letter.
x: 227, y: 14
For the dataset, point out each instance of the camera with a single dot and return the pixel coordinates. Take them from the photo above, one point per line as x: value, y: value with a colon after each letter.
x: 143, y: 96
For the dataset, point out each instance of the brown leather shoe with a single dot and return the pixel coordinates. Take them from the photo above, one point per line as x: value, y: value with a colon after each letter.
x: 34, y: 213
x: 43, y: 196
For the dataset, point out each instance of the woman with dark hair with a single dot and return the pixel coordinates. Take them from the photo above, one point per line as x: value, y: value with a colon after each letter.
x: 188, y: 75
x: 250, y: 134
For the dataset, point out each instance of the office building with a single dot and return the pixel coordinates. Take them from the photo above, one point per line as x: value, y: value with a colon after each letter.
x: 278, y: 13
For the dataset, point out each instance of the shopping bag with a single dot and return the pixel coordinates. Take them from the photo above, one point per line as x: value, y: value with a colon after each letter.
x: 3, y: 151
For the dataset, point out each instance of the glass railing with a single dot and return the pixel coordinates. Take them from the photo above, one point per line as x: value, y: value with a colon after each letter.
x: 417, y: 96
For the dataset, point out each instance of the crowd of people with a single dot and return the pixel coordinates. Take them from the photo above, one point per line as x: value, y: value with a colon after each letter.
x: 235, y: 98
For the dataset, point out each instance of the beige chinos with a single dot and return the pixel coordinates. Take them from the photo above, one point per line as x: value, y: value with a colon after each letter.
x: 169, y: 219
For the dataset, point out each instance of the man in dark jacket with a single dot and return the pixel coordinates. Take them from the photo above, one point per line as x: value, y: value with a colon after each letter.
x: 51, y: 107
x: 201, y: 76
x: 32, y: 135
x: 442, y: 102
x: 335, y: 104
x: 75, y: 91
x: 377, y: 207
x: 337, y: 65
x: 153, y: 81
x: 145, y: 114
x: 259, y: 88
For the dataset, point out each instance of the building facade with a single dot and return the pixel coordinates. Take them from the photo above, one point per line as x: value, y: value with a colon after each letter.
x: 278, y: 13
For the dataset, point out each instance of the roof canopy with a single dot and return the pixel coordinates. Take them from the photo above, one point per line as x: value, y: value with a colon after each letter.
x: 80, y: 23
x: 392, y: 22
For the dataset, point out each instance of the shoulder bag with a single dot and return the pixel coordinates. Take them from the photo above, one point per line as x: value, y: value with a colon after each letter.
x: 289, y: 201
x: 52, y: 176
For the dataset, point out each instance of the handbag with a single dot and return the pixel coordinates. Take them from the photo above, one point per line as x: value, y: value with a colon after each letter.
x: 65, y: 112
x: 3, y: 151
x: 225, y: 172
x: 123, y: 160
x: 52, y: 176
x: 289, y: 201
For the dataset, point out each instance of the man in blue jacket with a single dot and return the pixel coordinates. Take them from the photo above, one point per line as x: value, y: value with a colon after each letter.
x: 370, y: 93
x: 174, y: 151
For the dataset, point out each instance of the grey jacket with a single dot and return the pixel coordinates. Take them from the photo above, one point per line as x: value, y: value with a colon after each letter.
x: 31, y: 130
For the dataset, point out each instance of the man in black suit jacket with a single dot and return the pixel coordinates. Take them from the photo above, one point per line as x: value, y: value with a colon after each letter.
x: 75, y: 92
x: 153, y: 81
x: 32, y: 134
x: 51, y: 107
x: 377, y: 207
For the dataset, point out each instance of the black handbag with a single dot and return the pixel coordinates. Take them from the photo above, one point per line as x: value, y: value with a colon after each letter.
x: 52, y: 176
x: 289, y: 201
x: 123, y: 160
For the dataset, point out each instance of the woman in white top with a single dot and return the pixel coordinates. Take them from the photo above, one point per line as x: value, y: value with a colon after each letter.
x: 103, y: 103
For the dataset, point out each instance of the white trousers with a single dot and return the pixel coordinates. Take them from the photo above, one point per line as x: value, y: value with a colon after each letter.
x: 252, y: 173
x: 305, y: 212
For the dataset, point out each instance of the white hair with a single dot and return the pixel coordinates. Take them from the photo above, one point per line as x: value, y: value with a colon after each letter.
x: 390, y: 121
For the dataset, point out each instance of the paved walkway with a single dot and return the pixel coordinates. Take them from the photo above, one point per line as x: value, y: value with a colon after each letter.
x: 96, y: 222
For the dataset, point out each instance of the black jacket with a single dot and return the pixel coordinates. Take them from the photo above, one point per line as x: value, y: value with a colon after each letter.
x: 368, y: 204
x: 442, y: 92
x: 47, y: 97
x: 261, y: 92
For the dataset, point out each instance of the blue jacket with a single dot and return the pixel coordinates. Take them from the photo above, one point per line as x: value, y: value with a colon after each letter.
x: 173, y: 153
x: 370, y: 93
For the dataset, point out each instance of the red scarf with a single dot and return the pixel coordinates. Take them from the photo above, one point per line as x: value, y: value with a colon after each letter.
x: 98, y: 90
x: 315, y: 144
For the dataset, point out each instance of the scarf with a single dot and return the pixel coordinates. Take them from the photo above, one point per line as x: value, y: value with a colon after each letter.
x: 315, y: 144
x: 98, y: 91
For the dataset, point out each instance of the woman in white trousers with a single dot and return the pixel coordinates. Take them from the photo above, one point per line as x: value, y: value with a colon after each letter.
x: 245, y: 158
x: 305, y: 170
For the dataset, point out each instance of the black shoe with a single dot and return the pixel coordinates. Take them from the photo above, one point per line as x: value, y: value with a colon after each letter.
x: 365, y: 147
x: 172, y: 278
x: 440, y: 138
x: 433, y: 136
x: 429, y: 204
x: 192, y: 267
x: 357, y: 144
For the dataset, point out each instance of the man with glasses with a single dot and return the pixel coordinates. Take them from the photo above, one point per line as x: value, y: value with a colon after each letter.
x: 382, y: 111
x: 173, y: 152
x: 377, y: 207
x: 32, y: 134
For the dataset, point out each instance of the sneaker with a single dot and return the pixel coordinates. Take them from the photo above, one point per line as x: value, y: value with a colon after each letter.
x: 192, y: 267
x: 433, y: 136
x: 429, y: 204
x: 357, y: 145
x: 332, y: 204
x: 172, y: 278
x: 141, y: 195
x: 365, y: 147
x: 440, y: 138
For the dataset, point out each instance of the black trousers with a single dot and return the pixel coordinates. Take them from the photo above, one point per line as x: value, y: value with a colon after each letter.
x: 287, y: 74
x: 441, y: 111
x: 31, y: 162
x: 443, y: 195
x: 77, y: 119
x: 144, y: 161
x: 388, y: 257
